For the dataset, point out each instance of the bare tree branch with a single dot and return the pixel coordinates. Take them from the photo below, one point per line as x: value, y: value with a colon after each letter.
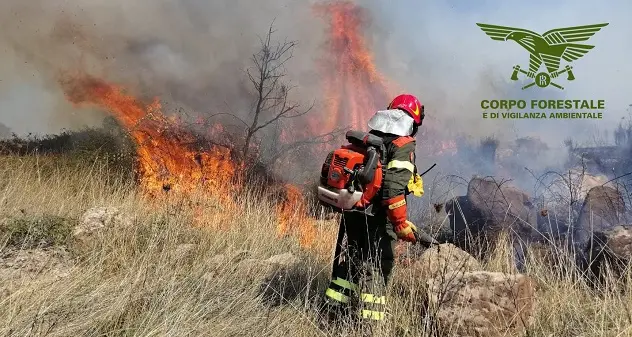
x: 272, y: 101
x: 228, y: 114
x: 284, y: 113
x: 272, y: 94
x: 323, y: 138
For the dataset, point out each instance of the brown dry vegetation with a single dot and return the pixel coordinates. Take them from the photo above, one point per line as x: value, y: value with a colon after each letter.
x: 138, y: 280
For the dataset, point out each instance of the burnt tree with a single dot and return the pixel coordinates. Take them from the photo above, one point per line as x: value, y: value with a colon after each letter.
x: 272, y: 92
x: 272, y: 104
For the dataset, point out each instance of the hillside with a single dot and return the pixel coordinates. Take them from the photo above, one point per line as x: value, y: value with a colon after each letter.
x: 144, y: 266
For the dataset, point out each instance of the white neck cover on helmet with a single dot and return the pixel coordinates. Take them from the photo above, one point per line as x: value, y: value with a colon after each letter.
x: 394, y: 121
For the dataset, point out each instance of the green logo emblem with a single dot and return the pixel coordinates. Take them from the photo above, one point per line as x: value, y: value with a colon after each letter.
x: 548, y: 48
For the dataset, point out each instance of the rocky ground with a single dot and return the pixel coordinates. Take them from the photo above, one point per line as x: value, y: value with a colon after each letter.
x: 595, y: 230
x: 86, y: 260
x: 462, y: 297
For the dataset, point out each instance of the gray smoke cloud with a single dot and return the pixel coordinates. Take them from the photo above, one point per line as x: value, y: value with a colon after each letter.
x: 432, y: 48
x: 441, y: 54
x: 193, y: 54
x: 436, y: 50
x: 189, y: 52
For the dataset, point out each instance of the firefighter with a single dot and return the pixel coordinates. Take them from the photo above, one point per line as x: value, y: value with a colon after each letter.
x: 359, y: 281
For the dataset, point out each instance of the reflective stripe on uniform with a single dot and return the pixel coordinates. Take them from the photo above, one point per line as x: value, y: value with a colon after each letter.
x: 370, y: 298
x: 397, y: 204
x: 345, y: 284
x: 340, y: 297
x: 340, y: 289
x: 401, y: 164
x: 374, y: 315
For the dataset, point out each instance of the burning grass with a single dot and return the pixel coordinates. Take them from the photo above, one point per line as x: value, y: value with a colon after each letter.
x: 167, y: 159
x: 172, y: 160
x: 139, y: 281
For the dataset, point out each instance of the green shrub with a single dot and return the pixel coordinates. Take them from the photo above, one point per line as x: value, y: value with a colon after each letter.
x: 30, y: 232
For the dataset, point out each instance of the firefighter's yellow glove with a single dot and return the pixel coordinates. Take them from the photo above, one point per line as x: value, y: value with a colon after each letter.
x: 406, y: 231
x: 416, y: 185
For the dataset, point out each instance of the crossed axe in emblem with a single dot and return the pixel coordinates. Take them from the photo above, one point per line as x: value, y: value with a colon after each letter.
x: 543, y: 78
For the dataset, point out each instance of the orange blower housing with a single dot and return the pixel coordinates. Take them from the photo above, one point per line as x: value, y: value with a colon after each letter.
x: 351, y: 176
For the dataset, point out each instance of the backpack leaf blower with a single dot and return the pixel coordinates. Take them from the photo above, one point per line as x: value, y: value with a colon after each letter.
x: 351, y: 176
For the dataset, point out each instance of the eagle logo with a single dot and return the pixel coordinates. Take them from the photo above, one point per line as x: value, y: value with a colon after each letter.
x: 549, y: 48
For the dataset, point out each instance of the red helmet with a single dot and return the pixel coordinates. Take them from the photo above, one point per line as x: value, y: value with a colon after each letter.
x: 411, y: 105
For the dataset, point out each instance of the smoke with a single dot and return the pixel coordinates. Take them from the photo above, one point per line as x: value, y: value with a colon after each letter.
x: 435, y: 50
x: 191, y: 53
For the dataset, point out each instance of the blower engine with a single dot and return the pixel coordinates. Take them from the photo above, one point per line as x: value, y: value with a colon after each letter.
x: 352, y: 175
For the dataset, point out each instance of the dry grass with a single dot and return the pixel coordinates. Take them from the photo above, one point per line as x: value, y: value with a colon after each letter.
x: 137, y: 282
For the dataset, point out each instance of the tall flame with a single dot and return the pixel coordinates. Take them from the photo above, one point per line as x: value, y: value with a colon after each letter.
x: 170, y: 161
x: 354, y: 89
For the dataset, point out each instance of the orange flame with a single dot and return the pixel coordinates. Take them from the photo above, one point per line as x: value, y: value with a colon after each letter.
x: 168, y: 156
x: 294, y: 211
x: 166, y: 164
x: 354, y: 89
